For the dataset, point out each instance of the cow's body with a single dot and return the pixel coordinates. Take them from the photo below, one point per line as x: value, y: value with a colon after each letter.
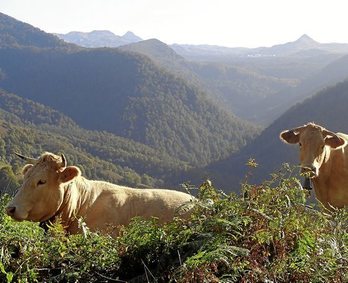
x: 104, y: 206
x: 52, y: 190
x: 324, y: 157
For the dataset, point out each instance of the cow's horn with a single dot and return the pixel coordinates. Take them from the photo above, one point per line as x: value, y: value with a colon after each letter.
x: 29, y: 160
x: 64, y: 162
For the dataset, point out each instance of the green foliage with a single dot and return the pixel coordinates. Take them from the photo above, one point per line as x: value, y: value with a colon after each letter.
x: 268, y: 234
x: 8, y: 180
x: 31, y: 128
x: 128, y: 95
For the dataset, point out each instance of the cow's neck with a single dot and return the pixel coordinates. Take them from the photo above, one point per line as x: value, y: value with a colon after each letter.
x: 77, y: 199
x: 323, y: 184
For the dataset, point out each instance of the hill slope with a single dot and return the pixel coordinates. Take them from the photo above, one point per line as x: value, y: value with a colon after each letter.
x: 14, y: 33
x: 257, y: 89
x: 105, y: 89
x: 327, y: 108
x: 31, y: 128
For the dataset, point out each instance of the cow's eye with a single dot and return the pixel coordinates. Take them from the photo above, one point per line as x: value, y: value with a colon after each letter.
x: 300, y: 144
x: 41, y: 182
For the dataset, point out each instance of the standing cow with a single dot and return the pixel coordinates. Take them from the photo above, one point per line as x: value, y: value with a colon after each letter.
x: 324, y: 158
x: 51, y: 189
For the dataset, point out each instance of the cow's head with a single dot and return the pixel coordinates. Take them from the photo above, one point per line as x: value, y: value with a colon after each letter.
x: 312, y: 140
x: 42, y: 192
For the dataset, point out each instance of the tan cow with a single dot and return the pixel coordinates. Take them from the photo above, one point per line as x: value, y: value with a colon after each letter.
x: 51, y: 189
x: 324, y: 157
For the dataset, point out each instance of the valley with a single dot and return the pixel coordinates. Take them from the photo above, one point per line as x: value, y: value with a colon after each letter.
x: 144, y: 113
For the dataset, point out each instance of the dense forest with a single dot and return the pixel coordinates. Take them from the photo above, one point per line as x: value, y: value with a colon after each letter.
x: 127, y: 95
x: 140, y: 124
x: 30, y: 128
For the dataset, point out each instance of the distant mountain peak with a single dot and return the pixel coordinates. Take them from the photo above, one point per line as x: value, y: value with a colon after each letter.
x: 99, y: 38
x: 131, y: 37
x: 306, y: 39
x: 102, y: 32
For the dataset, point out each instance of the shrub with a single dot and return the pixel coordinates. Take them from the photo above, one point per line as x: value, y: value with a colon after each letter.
x: 267, y: 234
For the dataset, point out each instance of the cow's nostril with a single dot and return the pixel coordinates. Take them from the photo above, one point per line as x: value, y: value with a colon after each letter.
x: 10, y: 210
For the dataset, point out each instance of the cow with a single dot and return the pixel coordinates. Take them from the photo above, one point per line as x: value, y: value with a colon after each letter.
x: 324, y: 159
x: 52, y: 190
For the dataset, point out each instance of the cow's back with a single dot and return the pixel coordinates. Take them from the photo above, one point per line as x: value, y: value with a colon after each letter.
x: 117, y: 205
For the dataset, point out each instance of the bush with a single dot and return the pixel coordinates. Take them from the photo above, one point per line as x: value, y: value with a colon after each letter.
x: 268, y: 234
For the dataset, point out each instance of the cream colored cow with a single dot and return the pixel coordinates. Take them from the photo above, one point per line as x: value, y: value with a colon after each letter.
x: 51, y: 189
x: 324, y: 157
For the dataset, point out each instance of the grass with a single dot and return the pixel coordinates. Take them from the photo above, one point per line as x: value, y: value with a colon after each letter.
x: 266, y: 234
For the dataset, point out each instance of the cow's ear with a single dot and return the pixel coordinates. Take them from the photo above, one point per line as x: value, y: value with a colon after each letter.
x: 290, y: 136
x: 26, y: 168
x: 334, y: 141
x: 69, y: 173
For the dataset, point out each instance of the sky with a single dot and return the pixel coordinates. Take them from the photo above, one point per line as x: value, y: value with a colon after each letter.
x: 232, y: 23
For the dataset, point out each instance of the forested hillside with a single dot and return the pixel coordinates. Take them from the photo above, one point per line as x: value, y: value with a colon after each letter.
x: 105, y: 89
x: 327, y: 108
x: 255, y: 88
x: 31, y: 128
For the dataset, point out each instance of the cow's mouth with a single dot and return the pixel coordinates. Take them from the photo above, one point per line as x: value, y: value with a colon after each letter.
x: 309, y: 171
x: 15, y: 213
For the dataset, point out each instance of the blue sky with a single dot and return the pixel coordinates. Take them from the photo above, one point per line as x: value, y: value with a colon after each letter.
x: 247, y: 23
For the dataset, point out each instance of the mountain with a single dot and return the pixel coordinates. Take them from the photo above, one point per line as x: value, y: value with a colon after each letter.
x: 128, y: 95
x: 303, y: 43
x: 130, y: 37
x: 256, y: 89
x: 14, y: 33
x: 327, y: 108
x: 330, y: 74
x: 294, y: 48
x: 155, y: 49
x: 99, y: 38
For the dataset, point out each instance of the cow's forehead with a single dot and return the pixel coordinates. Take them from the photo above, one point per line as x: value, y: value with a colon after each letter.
x: 312, y: 132
x: 48, y: 157
x: 46, y: 164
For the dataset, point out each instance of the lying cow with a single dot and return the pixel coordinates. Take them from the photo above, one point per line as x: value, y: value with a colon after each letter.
x: 324, y: 158
x: 51, y: 189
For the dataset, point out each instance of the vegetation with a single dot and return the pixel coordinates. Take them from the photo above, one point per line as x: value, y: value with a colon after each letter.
x: 128, y: 95
x: 268, y: 234
x: 123, y: 93
x: 31, y: 128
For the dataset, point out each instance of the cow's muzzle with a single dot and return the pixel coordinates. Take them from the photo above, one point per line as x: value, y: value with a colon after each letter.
x: 309, y: 171
x: 10, y: 210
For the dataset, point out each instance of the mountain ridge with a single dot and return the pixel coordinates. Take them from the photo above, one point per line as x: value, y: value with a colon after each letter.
x: 99, y: 38
x: 108, y: 89
x: 14, y: 33
x: 213, y: 52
